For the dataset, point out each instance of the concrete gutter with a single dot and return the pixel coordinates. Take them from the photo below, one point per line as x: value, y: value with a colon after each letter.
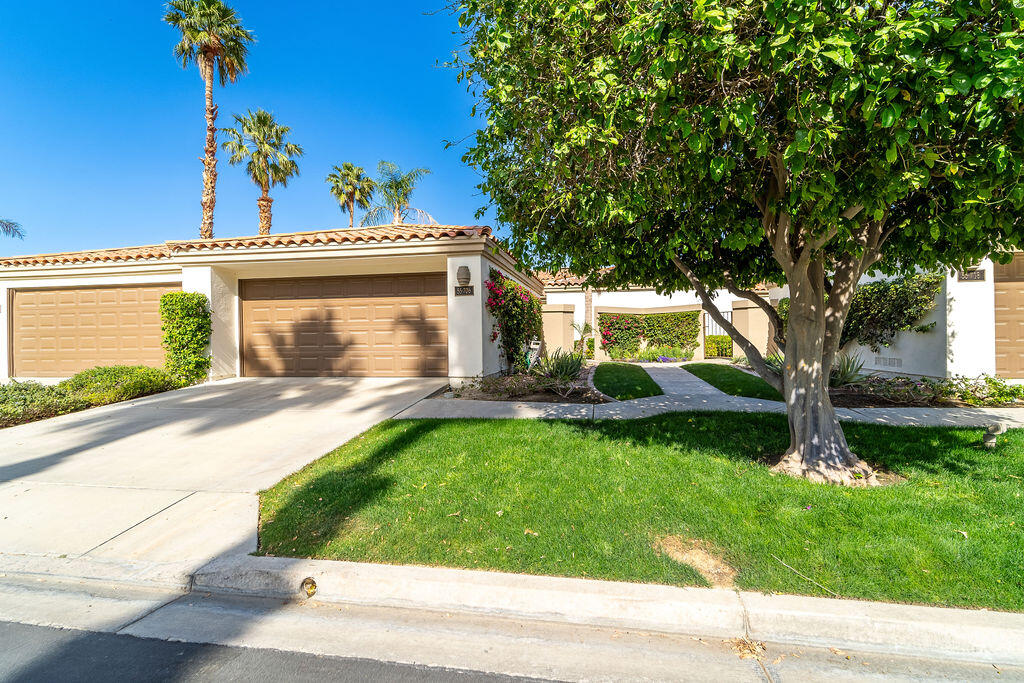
x: 954, y: 634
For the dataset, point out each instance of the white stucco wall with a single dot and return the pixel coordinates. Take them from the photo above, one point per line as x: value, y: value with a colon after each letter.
x: 971, y: 324
x: 962, y: 341
x: 221, y: 287
x: 467, y: 320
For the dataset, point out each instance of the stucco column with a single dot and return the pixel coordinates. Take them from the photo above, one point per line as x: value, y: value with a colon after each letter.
x: 469, y: 324
x: 221, y: 288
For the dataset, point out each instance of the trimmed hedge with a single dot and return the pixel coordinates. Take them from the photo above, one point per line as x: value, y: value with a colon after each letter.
x: 187, y: 327
x: 718, y: 346
x: 626, y: 330
x: 22, y: 402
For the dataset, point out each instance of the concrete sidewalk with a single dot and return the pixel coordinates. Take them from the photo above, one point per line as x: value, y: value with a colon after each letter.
x: 687, y: 392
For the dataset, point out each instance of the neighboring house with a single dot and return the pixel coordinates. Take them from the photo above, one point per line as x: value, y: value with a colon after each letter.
x: 979, y: 328
x: 376, y: 301
x: 978, y: 316
x: 570, y: 300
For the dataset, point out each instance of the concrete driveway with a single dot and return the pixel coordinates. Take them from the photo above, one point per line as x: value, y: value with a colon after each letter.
x: 149, y: 490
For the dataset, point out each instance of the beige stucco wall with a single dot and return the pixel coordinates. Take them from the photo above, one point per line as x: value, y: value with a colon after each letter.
x: 558, y: 330
x: 752, y: 322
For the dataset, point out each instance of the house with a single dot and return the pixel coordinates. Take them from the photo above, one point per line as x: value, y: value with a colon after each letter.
x: 977, y: 323
x: 394, y: 301
x: 978, y: 328
x: 571, y: 304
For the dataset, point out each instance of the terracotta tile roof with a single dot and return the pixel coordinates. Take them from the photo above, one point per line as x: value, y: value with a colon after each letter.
x: 384, y: 233
x: 147, y: 253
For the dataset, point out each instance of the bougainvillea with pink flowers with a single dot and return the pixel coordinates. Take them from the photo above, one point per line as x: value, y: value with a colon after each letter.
x: 517, y: 317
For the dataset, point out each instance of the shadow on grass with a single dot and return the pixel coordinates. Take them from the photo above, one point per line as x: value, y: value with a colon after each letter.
x: 314, y: 512
x: 760, y: 437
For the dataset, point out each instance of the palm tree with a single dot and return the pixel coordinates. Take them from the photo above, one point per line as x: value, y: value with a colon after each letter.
x: 213, y: 38
x: 259, y: 141
x: 351, y: 187
x: 396, y: 187
x: 11, y: 229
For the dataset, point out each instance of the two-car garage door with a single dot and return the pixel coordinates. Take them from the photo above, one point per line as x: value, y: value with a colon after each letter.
x: 373, y: 325
x: 58, y: 332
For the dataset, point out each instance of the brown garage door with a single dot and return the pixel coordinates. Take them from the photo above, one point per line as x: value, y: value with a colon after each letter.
x: 58, y: 332
x: 381, y: 325
x: 1009, y: 284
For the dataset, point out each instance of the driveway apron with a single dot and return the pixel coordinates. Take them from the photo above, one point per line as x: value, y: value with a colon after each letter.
x: 161, y: 485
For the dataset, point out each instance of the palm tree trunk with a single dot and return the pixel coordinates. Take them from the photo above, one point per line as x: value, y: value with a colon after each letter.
x: 210, y: 160
x: 264, y: 203
x: 351, y: 211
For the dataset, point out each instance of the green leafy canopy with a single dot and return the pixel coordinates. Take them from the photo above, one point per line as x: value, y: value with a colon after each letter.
x: 630, y: 132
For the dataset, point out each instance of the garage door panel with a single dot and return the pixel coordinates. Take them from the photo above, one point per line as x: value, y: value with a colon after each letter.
x: 358, y: 326
x: 59, y: 332
x: 1009, y: 313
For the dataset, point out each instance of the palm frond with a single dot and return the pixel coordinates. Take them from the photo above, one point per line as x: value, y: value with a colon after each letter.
x: 418, y: 217
x: 350, y: 182
x: 214, y: 30
x: 396, y: 188
x: 260, y: 141
x: 378, y: 215
x: 11, y: 229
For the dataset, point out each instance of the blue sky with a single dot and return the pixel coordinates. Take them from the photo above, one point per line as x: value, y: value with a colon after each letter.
x: 102, y: 129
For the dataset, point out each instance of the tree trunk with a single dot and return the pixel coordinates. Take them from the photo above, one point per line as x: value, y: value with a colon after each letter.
x: 351, y: 212
x: 817, y: 446
x: 210, y: 159
x: 264, y: 203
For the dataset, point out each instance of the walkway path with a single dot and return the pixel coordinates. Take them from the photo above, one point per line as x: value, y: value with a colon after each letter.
x: 684, y: 391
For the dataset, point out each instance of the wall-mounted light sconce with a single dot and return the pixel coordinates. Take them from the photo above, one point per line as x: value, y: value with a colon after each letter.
x: 462, y: 275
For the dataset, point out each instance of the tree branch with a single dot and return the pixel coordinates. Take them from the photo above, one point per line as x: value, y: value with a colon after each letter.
x: 773, y: 315
x: 754, y: 356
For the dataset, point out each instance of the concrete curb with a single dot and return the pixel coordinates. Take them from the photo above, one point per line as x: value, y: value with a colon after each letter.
x: 956, y: 634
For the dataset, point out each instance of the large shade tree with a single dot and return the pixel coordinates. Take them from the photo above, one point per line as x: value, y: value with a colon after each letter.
x: 212, y: 38
x: 710, y: 144
x: 351, y: 187
x: 394, y: 189
x: 261, y: 143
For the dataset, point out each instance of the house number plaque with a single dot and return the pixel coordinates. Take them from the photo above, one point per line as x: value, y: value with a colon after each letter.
x: 464, y: 290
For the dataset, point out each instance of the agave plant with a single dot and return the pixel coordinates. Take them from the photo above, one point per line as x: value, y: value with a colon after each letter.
x: 395, y: 189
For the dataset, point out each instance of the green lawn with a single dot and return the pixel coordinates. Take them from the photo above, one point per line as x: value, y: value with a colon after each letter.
x: 590, y: 498
x: 624, y: 381
x: 733, y: 381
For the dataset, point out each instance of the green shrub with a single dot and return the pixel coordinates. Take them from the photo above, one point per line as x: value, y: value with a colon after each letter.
x: 99, y: 386
x: 717, y: 346
x: 627, y: 330
x: 882, y: 309
x: 28, y: 401
x: 980, y: 391
x: 187, y: 327
x: 22, y: 402
x: 518, y: 317
x: 652, y: 354
x: 590, y: 348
